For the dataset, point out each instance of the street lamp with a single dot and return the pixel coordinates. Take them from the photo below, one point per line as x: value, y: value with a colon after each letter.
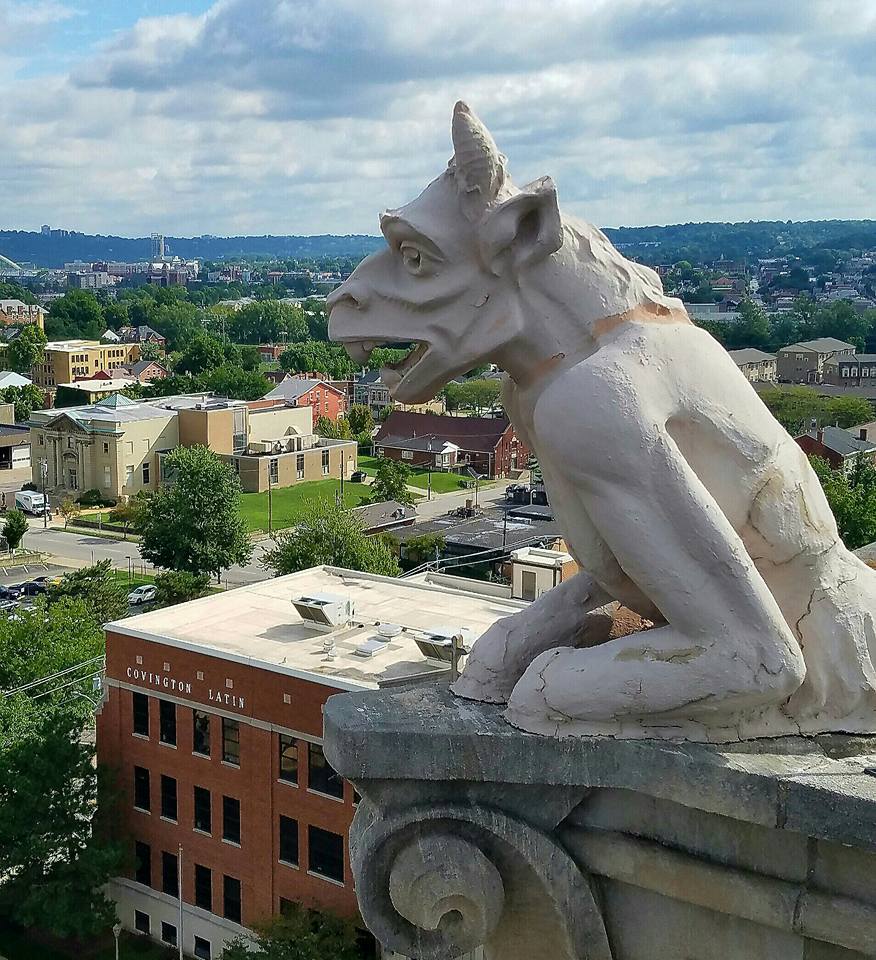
x: 44, y: 472
x: 117, y: 930
x: 429, y: 477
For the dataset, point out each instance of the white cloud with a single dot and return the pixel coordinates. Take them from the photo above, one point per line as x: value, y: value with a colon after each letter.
x: 307, y: 116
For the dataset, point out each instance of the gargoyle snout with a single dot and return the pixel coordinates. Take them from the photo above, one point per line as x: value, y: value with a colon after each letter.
x: 350, y: 293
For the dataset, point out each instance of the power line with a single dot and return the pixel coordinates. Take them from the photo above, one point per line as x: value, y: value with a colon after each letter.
x: 53, y: 676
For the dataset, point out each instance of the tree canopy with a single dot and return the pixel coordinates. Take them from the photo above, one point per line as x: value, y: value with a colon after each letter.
x: 298, y: 934
x: 476, y: 396
x: 193, y: 522
x: 27, y: 349
x: 852, y: 498
x: 390, y: 482
x: 329, y: 534
x: 796, y: 408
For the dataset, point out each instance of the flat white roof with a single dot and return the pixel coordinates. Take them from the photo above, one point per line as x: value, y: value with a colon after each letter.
x: 258, y: 625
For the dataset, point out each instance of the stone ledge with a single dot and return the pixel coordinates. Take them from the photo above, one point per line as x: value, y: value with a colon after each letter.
x: 817, y: 787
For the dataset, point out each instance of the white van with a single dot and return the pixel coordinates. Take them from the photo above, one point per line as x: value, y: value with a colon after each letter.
x: 31, y: 502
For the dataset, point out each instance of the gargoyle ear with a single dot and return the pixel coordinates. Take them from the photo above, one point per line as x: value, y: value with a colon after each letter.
x: 522, y: 230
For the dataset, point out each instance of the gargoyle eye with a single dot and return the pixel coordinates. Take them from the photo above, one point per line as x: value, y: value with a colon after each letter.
x: 412, y: 257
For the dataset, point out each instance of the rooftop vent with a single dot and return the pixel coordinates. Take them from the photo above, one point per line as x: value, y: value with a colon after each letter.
x: 370, y: 647
x: 325, y: 609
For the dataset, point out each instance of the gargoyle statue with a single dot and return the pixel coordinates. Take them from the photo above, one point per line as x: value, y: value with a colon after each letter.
x: 678, y: 493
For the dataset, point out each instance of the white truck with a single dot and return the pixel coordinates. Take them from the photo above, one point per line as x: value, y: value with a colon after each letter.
x: 30, y: 502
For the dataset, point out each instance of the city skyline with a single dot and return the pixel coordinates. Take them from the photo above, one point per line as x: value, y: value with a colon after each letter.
x: 296, y: 117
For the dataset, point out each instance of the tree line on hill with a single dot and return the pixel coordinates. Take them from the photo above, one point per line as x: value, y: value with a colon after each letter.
x: 807, y: 320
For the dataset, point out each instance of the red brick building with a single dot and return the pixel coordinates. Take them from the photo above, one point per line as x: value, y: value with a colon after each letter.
x: 212, y: 721
x: 325, y: 399
x: 488, y: 445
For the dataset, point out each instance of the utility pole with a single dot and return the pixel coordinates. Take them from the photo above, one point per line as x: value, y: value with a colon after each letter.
x: 44, y: 470
x: 429, y: 476
x: 179, y: 883
x: 270, y: 502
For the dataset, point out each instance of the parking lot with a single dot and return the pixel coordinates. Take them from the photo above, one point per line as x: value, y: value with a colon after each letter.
x: 19, y: 590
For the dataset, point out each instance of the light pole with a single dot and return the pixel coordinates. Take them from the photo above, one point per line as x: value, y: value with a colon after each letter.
x: 429, y: 476
x: 179, y: 883
x: 117, y: 930
x: 44, y: 471
x: 270, y: 502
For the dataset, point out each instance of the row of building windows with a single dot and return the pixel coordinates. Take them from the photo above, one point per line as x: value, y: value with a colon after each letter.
x: 325, y: 858
x: 143, y: 924
x: 853, y: 371
x: 321, y: 776
x: 203, y: 815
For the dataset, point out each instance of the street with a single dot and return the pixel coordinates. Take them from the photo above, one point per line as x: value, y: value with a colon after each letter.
x: 82, y: 548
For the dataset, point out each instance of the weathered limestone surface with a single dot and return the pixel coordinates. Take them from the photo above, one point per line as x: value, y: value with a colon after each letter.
x: 471, y: 832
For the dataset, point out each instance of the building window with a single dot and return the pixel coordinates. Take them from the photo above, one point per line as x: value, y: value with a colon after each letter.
x: 143, y: 868
x: 106, y: 448
x: 146, y: 474
x: 168, y: 797
x: 231, y: 819
x: 42, y: 440
x: 325, y: 853
x: 289, y: 840
x: 288, y: 759
x: 299, y: 467
x: 168, y: 933
x: 286, y: 906
x: 201, y: 732
x: 169, y: 874
x: 274, y: 470
x: 231, y: 741
x: 141, y: 788
x: 129, y: 475
x: 107, y: 478
x: 73, y: 479
x: 203, y: 814
x: 202, y: 948
x: 231, y: 899
x: 141, y: 922
x: 140, y: 704
x: 320, y: 774
x: 203, y: 887
x: 325, y: 463
x: 167, y: 722
x: 407, y: 454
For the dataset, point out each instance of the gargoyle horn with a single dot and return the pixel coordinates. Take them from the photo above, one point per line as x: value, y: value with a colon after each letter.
x: 478, y: 166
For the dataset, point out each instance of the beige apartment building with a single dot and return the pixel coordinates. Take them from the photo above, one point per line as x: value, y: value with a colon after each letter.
x: 118, y: 445
x: 69, y: 360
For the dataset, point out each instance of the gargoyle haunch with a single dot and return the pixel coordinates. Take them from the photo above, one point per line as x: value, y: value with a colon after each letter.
x: 678, y: 493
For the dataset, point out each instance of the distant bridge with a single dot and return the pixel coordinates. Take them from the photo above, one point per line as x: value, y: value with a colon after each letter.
x: 11, y: 263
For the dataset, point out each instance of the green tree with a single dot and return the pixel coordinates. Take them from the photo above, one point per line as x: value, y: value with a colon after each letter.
x: 77, y: 314
x: 250, y: 359
x: 390, y: 482
x: 97, y: 586
x: 69, y: 509
x: 852, y: 498
x: 202, y: 353
x: 27, y: 350
x: 428, y: 546
x: 797, y: 408
x: 193, y: 523
x: 179, y: 586
x: 26, y: 399
x: 235, y: 383
x: 128, y: 511
x: 298, y: 934
x: 318, y: 357
x: 55, y: 858
x: 329, y: 534
x: 474, y: 395
x: 14, y: 528
x: 333, y: 429
x: 151, y: 351
x: 360, y: 418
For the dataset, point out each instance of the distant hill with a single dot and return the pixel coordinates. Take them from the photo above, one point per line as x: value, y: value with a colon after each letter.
x: 697, y: 242
x: 48, y: 251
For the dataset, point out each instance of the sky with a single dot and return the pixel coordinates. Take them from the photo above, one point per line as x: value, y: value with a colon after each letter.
x: 311, y: 116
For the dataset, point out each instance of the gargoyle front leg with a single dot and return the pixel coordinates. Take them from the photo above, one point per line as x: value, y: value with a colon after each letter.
x: 501, y: 655
x: 726, y: 647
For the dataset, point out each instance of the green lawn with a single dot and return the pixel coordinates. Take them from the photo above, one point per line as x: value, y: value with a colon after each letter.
x: 441, y: 482
x: 290, y: 503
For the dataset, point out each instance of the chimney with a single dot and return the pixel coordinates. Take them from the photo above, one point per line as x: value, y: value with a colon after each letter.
x: 862, y: 433
x: 819, y: 436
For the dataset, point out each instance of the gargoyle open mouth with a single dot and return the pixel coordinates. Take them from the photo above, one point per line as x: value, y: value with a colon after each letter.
x: 392, y: 373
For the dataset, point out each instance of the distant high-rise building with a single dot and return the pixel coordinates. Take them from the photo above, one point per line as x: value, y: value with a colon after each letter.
x: 157, y: 246
x: 45, y: 229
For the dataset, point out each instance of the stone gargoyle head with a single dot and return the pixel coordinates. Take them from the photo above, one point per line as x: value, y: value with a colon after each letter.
x: 467, y: 262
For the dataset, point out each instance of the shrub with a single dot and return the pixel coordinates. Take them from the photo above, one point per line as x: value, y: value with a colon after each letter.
x: 91, y: 498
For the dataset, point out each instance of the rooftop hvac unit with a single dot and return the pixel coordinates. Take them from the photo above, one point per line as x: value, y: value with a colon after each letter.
x: 437, y: 642
x: 325, y: 609
x: 370, y: 647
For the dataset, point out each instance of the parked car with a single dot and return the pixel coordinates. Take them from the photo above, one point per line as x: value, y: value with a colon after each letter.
x: 7, y: 606
x: 13, y: 591
x: 358, y: 476
x: 142, y: 594
x: 33, y: 588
